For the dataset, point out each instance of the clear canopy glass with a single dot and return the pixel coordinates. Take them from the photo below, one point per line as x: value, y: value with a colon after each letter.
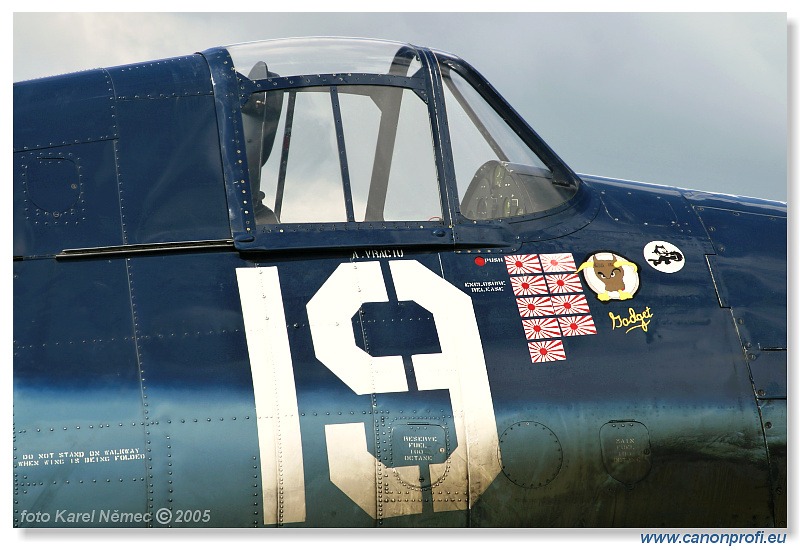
x: 321, y: 55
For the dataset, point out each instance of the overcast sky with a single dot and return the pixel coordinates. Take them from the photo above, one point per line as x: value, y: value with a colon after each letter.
x: 696, y: 100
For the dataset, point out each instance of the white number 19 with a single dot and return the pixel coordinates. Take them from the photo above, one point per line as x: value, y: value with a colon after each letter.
x: 459, y: 368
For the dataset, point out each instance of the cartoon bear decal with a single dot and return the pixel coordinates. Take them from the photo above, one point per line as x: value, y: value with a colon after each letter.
x: 610, y: 276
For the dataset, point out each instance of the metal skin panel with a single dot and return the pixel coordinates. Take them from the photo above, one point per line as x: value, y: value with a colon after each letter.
x: 684, y: 378
x: 77, y: 392
x: 208, y: 385
x: 773, y: 415
x: 181, y: 341
x: 648, y: 207
x: 342, y: 427
x: 169, y: 171
x: 64, y: 110
x: 770, y: 376
x: 176, y: 77
x: 750, y: 271
x: 187, y: 340
x: 275, y: 395
x: 196, y: 387
x: 159, y: 180
x: 93, y: 220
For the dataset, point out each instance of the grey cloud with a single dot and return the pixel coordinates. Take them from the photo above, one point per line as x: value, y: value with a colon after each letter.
x: 695, y: 100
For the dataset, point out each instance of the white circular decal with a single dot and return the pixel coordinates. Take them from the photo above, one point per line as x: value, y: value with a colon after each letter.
x: 664, y: 257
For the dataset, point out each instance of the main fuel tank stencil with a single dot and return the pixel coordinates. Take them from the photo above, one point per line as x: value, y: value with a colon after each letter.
x: 550, y: 301
x: 664, y: 257
x: 610, y: 276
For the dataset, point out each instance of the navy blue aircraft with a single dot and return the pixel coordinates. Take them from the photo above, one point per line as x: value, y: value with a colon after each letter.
x: 340, y: 282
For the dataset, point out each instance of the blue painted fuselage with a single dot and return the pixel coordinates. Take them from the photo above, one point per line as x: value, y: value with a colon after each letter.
x: 134, y: 387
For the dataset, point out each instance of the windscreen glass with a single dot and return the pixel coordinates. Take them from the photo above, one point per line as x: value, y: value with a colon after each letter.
x: 497, y: 173
x: 311, y: 56
x: 341, y: 154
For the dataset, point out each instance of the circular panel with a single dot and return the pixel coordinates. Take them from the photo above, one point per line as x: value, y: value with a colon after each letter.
x: 531, y: 454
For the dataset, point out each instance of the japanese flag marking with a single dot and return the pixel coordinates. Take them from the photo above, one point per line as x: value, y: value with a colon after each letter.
x: 564, y: 283
x: 558, y: 263
x: 569, y: 304
x: 537, y: 329
x: 528, y: 285
x: 546, y: 350
x: 523, y: 263
x: 579, y: 325
x: 538, y: 306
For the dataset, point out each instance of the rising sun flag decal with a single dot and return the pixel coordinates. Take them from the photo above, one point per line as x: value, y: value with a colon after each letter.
x: 550, y: 301
x: 548, y: 350
x: 577, y: 326
x: 537, y: 306
x: 564, y: 283
x: 556, y: 263
x: 569, y: 304
x: 525, y: 285
x: 538, y: 329
x: 523, y: 264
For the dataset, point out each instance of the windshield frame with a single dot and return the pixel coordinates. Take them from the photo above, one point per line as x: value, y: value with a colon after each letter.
x: 232, y: 89
x: 562, y: 174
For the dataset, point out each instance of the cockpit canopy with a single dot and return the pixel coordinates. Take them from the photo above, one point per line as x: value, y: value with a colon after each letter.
x: 348, y: 130
x: 322, y: 55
